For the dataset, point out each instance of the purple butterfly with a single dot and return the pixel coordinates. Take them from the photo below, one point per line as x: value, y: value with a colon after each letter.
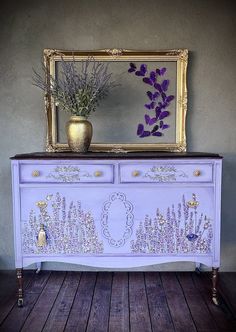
x: 153, y: 76
x: 150, y: 121
x: 142, y: 71
x: 165, y: 85
x: 140, y: 129
x: 146, y: 133
x: 163, y: 115
x: 163, y: 126
x: 161, y: 71
x: 147, y: 80
x: 157, y: 133
x: 152, y: 96
x: 155, y: 128
x: 158, y: 87
x: 169, y: 98
x: 132, y: 67
x: 150, y: 106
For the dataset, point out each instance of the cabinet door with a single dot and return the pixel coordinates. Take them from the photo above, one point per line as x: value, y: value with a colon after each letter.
x: 69, y: 217
x: 138, y: 220
x: 158, y: 221
x: 173, y: 221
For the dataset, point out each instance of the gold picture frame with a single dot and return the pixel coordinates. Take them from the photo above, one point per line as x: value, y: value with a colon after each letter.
x: 173, y: 60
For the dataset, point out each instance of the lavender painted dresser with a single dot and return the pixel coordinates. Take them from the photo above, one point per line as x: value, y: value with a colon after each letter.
x: 117, y: 210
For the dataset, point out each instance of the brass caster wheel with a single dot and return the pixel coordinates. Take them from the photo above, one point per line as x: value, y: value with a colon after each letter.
x: 20, y: 303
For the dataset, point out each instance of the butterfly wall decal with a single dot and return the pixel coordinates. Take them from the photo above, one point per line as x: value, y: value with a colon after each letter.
x: 158, y: 99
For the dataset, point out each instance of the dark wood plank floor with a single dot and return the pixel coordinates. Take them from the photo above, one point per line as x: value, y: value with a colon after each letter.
x: 118, y: 301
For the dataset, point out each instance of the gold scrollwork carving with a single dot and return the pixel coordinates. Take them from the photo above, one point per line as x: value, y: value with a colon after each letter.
x: 114, y: 52
x: 165, y: 173
x: 184, y: 55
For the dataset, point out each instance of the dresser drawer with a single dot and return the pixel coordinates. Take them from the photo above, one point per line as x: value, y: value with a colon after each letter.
x: 83, y: 173
x: 155, y: 172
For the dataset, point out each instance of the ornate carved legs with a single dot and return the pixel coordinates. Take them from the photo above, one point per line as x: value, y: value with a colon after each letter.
x: 20, y: 287
x: 214, y: 285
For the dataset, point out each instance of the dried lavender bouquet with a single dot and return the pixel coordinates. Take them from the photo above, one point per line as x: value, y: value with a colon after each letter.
x: 77, y: 92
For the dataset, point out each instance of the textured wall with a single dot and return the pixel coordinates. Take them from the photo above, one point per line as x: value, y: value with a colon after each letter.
x: 205, y: 27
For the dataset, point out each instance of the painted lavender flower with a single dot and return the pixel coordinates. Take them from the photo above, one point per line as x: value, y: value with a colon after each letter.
x: 158, y: 100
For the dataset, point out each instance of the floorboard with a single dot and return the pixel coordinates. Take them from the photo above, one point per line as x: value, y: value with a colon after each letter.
x: 39, y: 314
x: 61, y: 309
x: 178, y: 306
x: 200, y: 313
x: 17, y: 316
x: 139, y: 311
x: 159, y: 311
x: 227, y: 287
x: 100, y: 309
x: 119, y: 310
x: 221, y: 315
x: 80, y: 310
x: 8, y: 291
x: 117, y: 302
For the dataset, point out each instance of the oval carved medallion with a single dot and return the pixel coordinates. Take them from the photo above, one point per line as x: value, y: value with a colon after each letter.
x: 121, y: 208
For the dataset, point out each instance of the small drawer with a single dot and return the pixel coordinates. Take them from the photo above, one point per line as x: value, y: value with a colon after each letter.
x: 155, y: 172
x: 36, y: 173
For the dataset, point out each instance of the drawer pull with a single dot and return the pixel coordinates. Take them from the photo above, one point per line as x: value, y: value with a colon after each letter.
x: 197, y: 172
x: 136, y: 173
x: 35, y: 173
x: 42, y: 239
x: 97, y: 174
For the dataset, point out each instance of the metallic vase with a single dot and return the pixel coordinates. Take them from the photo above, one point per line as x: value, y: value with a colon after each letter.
x: 79, y: 133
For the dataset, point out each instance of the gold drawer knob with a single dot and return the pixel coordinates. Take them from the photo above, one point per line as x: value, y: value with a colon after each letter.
x: 197, y: 172
x: 35, y: 173
x: 97, y: 174
x: 135, y: 173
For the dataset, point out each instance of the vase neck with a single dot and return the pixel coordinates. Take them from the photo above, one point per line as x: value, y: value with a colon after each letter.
x: 78, y: 117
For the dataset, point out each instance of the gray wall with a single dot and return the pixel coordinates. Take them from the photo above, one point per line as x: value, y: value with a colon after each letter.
x: 205, y: 27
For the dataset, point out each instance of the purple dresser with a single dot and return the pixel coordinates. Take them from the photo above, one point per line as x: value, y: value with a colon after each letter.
x: 117, y: 210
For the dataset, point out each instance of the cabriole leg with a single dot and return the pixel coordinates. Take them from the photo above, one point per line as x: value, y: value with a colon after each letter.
x: 214, y: 285
x: 20, y: 287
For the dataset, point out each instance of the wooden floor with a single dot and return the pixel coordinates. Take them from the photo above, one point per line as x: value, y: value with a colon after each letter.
x: 104, y: 301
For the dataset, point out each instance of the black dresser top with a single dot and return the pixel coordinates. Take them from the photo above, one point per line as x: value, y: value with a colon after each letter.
x: 113, y: 155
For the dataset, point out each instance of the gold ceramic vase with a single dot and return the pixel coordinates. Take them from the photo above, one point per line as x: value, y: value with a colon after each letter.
x: 79, y: 133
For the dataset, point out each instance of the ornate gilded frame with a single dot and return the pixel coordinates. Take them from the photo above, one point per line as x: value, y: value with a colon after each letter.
x: 180, y: 56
